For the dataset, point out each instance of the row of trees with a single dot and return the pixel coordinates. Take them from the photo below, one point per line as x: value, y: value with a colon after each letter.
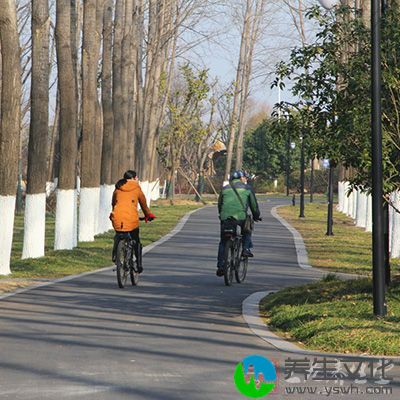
x: 119, y: 95
x: 112, y: 64
x: 331, y: 78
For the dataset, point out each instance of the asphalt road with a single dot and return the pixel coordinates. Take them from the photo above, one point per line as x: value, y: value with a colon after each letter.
x: 178, y: 335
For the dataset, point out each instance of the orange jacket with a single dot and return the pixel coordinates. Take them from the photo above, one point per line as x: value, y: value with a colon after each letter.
x: 124, y: 215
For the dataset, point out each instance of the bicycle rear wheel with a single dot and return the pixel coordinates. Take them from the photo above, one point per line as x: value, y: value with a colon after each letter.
x: 229, y: 264
x: 121, y: 263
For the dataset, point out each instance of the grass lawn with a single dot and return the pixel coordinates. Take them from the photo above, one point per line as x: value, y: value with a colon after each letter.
x: 349, y: 250
x: 334, y: 315
x: 87, y: 256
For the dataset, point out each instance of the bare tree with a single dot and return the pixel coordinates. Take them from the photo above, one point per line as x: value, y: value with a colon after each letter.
x: 9, y: 126
x: 65, y: 232
x: 237, y: 89
x: 117, y: 86
x: 126, y: 82
x: 250, y: 42
x: 106, y: 181
x: 91, y: 135
x: 35, y: 204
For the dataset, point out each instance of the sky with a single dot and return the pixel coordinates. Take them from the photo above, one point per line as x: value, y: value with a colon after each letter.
x: 221, y: 52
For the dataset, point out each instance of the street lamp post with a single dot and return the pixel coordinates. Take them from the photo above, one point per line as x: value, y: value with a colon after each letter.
x: 329, y: 230
x: 378, y: 239
x: 288, y: 160
x: 302, y: 167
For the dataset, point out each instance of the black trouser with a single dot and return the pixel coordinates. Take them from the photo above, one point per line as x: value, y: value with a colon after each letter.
x: 247, y: 244
x: 137, y: 245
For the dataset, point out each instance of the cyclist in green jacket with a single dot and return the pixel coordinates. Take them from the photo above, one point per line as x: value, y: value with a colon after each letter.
x: 231, y: 209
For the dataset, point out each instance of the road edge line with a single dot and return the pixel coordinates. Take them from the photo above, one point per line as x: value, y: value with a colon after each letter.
x: 179, y: 226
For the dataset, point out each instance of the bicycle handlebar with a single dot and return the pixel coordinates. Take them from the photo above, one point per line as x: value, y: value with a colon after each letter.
x: 144, y: 219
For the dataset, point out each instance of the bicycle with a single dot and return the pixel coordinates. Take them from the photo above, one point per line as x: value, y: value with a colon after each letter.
x: 124, y: 262
x: 235, y: 262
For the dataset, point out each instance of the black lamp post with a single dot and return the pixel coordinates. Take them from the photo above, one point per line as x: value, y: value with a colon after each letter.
x: 378, y: 238
x: 288, y: 160
x: 329, y: 230
x: 302, y: 167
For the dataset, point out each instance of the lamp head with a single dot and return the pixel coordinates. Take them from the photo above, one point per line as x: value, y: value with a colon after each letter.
x: 329, y: 4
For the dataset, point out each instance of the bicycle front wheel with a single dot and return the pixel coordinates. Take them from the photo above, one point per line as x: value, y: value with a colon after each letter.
x: 241, y: 265
x: 121, y: 263
x: 229, y: 264
x: 134, y: 274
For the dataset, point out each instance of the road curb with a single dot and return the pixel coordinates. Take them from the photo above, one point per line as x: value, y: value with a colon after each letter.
x: 146, y: 249
x: 301, y: 251
x: 251, y: 305
x: 251, y: 314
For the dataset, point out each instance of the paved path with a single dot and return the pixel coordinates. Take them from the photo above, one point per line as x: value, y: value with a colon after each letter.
x: 178, y: 335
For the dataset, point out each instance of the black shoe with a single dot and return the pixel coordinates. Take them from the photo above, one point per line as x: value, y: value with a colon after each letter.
x: 220, y: 271
x: 247, y: 253
x: 139, y: 269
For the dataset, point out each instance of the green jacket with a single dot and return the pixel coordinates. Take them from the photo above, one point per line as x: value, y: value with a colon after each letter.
x: 229, y: 205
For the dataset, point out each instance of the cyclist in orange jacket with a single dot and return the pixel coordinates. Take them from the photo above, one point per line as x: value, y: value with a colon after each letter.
x: 124, y: 216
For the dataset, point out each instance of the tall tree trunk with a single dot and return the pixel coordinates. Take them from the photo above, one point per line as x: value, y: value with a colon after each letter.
x: 91, y: 136
x: 160, y: 37
x: 125, y: 83
x: 139, y: 117
x: 9, y: 127
x: 53, y: 140
x: 250, y: 42
x: 65, y: 232
x: 237, y: 92
x: 35, y: 203
x: 117, y: 87
x: 107, y: 187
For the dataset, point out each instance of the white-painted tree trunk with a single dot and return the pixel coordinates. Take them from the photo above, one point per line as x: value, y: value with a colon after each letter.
x: 96, y: 214
x: 51, y: 187
x: 145, y: 186
x: 34, y: 226
x: 346, y: 202
x: 7, y: 211
x: 106, y: 192
x: 65, y: 224
x: 395, y: 227
x: 351, y: 204
x: 392, y: 198
x: 340, y: 197
x: 155, y: 190
x: 75, y: 229
x: 355, y: 204
x: 362, y: 210
x: 88, y: 213
x: 369, y: 213
x: 164, y: 190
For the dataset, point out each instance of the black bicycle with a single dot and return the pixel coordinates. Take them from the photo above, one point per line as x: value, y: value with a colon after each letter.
x: 126, y: 261
x: 234, y: 261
